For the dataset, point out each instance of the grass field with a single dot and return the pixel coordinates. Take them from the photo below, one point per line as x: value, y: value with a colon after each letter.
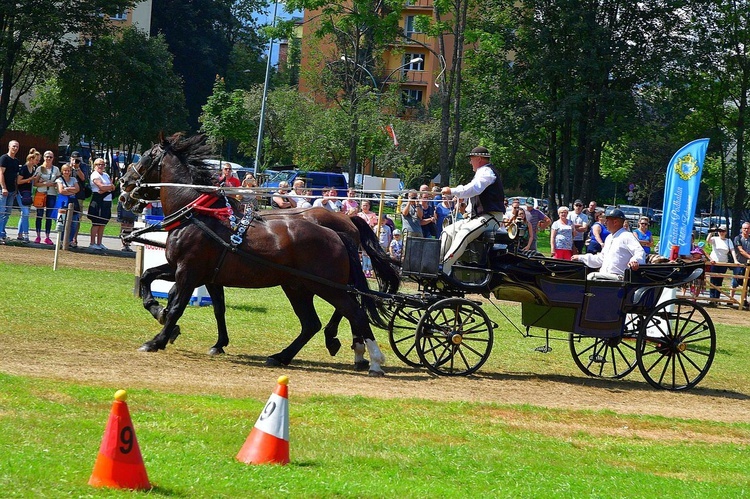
x: 362, y: 445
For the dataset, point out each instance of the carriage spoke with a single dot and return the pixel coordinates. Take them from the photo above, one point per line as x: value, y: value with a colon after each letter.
x: 681, y: 358
x: 454, y: 337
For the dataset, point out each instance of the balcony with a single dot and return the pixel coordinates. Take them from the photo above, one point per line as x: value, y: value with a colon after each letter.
x: 407, y: 77
x: 418, y: 5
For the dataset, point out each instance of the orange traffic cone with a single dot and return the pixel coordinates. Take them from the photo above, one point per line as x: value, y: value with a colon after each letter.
x: 119, y: 463
x: 268, y: 442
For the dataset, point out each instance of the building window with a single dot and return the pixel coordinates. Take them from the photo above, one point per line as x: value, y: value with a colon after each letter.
x: 122, y: 16
x: 409, y: 26
x: 411, y: 97
x: 414, y: 66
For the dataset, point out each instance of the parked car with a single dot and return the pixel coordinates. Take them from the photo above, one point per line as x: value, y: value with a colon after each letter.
x: 702, y: 226
x: 634, y: 213
x: 315, y: 181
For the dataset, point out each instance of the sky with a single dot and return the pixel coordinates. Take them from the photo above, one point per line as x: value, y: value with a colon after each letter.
x: 267, y: 18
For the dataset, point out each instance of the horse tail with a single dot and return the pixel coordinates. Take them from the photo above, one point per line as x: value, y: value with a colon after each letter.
x: 386, y: 268
x: 359, y: 281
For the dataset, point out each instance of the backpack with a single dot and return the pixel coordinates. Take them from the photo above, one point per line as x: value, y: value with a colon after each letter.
x: 84, y: 192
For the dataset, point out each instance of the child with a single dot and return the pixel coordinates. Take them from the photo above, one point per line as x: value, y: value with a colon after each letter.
x: 396, y: 245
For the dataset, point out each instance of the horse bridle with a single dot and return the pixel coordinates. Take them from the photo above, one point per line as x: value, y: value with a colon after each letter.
x: 155, y: 163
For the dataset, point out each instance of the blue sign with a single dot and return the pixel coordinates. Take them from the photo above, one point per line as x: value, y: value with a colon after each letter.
x: 681, y: 196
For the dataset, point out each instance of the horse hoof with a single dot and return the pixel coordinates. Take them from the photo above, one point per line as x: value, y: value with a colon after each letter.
x: 274, y: 362
x: 375, y: 374
x: 146, y: 347
x: 362, y: 365
x: 333, y: 345
x: 216, y: 351
x: 175, y: 334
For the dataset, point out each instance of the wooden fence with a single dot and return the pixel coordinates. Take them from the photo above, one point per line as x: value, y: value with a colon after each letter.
x: 728, y: 295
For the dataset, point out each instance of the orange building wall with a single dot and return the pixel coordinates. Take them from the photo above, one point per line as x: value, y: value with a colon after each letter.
x: 315, y: 52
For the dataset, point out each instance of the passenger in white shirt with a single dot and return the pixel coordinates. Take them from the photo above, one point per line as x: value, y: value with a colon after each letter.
x: 621, y: 251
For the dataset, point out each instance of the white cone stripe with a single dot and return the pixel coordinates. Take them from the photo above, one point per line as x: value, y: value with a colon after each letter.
x: 274, y: 419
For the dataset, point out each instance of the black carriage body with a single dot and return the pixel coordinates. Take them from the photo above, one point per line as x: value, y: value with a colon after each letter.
x: 613, y: 326
x: 554, y: 294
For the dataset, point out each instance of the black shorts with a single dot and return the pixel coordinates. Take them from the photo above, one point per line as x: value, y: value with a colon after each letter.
x: 100, y: 211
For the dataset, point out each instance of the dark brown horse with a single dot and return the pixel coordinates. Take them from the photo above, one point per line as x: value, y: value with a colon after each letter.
x: 302, y: 257
x: 353, y: 227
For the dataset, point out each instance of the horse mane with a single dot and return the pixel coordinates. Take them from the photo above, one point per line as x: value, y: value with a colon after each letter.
x: 192, y: 151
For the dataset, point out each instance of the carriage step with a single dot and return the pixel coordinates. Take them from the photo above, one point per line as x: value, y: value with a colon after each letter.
x: 543, y: 349
x: 598, y: 359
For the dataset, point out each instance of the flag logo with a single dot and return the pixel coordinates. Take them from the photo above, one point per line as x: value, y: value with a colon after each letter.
x: 686, y: 167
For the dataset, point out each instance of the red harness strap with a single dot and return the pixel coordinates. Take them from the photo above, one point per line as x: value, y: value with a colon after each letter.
x: 201, y: 205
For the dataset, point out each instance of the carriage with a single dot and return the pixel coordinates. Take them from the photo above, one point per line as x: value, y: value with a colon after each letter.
x: 611, y: 326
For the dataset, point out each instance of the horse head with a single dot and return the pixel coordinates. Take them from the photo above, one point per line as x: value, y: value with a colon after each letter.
x: 146, y: 171
x: 175, y: 159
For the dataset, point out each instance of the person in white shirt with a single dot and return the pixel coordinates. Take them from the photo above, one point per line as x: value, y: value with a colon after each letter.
x: 328, y: 201
x: 721, y: 248
x: 581, y: 224
x: 621, y: 251
x: 298, y: 194
x: 487, y: 208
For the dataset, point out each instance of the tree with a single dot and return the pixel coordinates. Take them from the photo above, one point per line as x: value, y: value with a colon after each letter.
x: 116, y: 90
x: 723, y: 42
x: 359, y: 31
x: 561, y: 79
x: 34, y: 38
x: 209, y: 38
x: 449, y: 22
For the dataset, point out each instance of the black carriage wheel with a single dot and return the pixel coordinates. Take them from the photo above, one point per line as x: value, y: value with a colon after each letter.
x: 402, y: 334
x: 612, y: 358
x: 676, y: 345
x: 454, y: 337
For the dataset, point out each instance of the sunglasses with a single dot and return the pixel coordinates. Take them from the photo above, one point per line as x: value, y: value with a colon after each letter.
x: 579, y: 205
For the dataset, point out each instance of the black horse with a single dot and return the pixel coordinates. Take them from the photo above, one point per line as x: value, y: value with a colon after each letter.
x: 304, y: 258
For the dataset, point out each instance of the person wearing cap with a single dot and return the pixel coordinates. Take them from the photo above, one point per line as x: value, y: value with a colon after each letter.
x: 721, y: 247
x: 485, y: 192
x: 537, y: 220
x: 396, y: 246
x: 81, y: 172
x: 580, y: 225
x: 621, y: 251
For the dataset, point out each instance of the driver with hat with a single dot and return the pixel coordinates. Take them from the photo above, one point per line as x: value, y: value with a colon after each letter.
x: 621, y: 251
x: 487, y: 199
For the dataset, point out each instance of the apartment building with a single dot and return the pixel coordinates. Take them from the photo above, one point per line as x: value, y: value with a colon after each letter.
x: 416, y: 79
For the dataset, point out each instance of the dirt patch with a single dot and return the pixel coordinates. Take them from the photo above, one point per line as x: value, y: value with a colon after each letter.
x: 184, y: 371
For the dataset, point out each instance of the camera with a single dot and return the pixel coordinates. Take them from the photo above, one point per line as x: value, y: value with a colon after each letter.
x: 75, y: 161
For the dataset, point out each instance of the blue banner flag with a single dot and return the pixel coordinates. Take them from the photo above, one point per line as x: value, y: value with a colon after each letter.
x: 681, y: 196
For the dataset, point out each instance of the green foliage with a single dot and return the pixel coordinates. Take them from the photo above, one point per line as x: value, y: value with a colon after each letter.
x: 202, y: 36
x: 120, y: 90
x: 224, y: 116
x: 35, y: 36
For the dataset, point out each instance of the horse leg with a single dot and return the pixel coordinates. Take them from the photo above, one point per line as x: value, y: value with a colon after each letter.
x: 165, y: 272
x: 347, y: 306
x: 331, y: 332
x: 217, y: 299
x: 302, y: 303
x: 179, y: 298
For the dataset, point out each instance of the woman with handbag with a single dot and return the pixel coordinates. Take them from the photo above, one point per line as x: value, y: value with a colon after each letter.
x: 46, y: 195
x: 24, y: 183
x: 100, y: 208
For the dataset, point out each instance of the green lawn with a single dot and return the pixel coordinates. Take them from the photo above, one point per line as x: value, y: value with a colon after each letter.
x: 355, y: 446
